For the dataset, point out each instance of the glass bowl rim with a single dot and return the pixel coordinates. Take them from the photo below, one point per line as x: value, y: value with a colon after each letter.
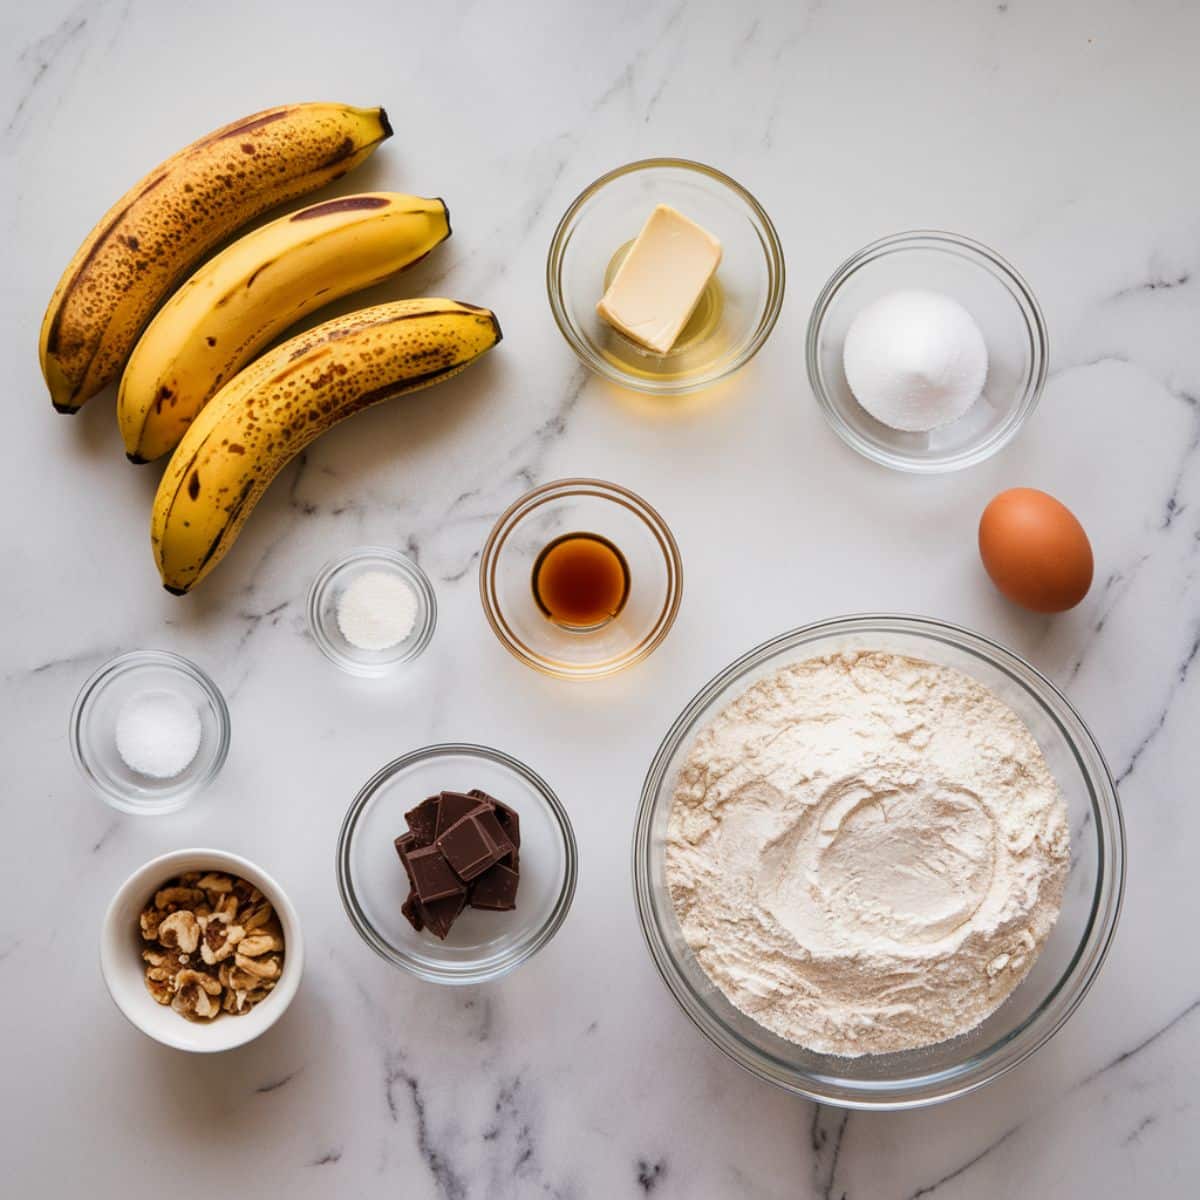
x: 772, y: 252
x: 985, y: 257
x: 613, y: 493
x: 1086, y: 960
x: 465, y: 973
x: 172, y: 798
x: 407, y: 566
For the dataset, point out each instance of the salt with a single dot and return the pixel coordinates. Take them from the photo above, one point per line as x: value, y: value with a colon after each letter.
x: 915, y: 360
x: 377, y: 610
x: 158, y: 733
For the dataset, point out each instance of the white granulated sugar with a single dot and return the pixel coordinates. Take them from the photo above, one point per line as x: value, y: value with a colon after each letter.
x: 158, y: 733
x: 377, y: 610
x: 915, y: 360
x: 866, y: 852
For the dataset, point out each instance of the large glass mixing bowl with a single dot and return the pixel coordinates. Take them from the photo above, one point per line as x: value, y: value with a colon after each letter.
x: 1069, y: 961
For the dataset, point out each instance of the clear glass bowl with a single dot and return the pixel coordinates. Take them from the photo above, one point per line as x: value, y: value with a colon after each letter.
x: 1069, y: 960
x: 481, y: 945
x: 92, y: 731
x: 990, y: 290
x: 735, y: 316
x: 581, y: 506
x: 333, y: 579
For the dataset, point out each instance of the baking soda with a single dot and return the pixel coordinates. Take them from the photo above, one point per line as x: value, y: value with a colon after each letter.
x: 377, y: 610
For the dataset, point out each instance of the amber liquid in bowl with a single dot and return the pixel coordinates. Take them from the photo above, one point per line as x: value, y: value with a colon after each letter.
x: 580, y: 581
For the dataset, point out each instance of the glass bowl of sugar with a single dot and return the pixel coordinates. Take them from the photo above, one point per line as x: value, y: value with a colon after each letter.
x: 372, y: 610
x: 915, y: 275
x: 148, y: 731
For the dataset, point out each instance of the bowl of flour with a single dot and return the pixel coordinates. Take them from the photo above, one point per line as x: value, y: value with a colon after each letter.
x: 879, y: 860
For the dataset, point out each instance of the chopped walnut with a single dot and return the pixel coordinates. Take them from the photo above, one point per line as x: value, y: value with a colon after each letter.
x: 239, y: 938
x: 159, y: 976
x: 171, y: 898
x: 261, y: 941
x: 149, y: 922
x: 260, y: 968
x: 257, y: 916
x: 219, y: 937
x: 180, y: 930
x: 196, y: 995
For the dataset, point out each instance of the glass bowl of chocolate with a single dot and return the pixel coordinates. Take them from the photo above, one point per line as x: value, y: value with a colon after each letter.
x: 457, y: 863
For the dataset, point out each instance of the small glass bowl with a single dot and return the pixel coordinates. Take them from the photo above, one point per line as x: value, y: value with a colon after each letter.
x: 990, y: 290
x: 333, y: 579
x: 736, y: 314
x: 93, y: 730
x: 1065, y: 968
x: 581, y: 506
x: 481, y: 945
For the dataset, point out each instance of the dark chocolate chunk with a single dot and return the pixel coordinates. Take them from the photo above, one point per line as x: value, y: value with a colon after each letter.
x: 452, y: 807
x: 405, y: 845
x: 431, y: 876
x: 422, y: 821
x: 469, y: 846
x: 411, y: 909
x: 439, y: 915
x: 508, y: 818
x: 496, y: 888
x: 490, y: 821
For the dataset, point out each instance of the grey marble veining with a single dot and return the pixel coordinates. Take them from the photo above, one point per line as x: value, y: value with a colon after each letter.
x: 1061, y: 133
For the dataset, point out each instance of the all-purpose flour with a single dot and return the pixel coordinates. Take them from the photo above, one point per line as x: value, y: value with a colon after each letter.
x: 866, y: 852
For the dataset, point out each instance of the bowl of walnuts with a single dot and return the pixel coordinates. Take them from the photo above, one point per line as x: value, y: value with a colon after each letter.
x: 201, y: 950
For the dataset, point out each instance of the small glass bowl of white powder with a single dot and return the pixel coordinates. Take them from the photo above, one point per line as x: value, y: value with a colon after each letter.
x: 924, y: 299
x: 148, y: 731
x: 372, y: 610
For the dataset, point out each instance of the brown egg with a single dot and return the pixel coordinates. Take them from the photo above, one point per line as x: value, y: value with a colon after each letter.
x: 1035, y: 550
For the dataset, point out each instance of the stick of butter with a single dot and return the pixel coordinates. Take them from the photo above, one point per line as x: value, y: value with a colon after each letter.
x: 657, y: 287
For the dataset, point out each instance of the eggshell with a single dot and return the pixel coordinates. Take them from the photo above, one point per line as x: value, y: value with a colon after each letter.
x: 1035, y: 551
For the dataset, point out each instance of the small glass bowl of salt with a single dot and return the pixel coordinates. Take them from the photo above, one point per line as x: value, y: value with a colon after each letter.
x: 148, y: 730
x: 372, y: 610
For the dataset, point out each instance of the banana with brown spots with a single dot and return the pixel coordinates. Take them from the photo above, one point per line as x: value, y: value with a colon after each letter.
x: 251, y: 292
x: 267, y: 414
x: 165, y: 224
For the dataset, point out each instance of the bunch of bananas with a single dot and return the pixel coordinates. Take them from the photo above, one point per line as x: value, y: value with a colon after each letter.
x: 190, y: 385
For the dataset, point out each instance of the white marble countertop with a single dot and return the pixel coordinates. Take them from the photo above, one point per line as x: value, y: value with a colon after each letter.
x: 1063, y: 134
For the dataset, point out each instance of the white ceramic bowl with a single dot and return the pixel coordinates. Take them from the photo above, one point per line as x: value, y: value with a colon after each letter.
x: 121, y: 962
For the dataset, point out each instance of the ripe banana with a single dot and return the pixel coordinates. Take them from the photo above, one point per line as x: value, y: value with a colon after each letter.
x: 267, y: 414
x: 160, y: 228
x: 242, y: 299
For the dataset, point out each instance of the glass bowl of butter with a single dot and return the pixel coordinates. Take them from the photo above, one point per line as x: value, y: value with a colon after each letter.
x: 665, y: 276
